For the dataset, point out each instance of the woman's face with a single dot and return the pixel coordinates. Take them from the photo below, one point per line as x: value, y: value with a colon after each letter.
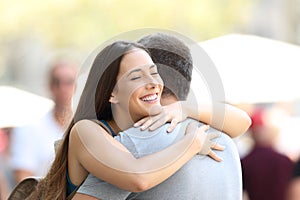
x: 139, y: 85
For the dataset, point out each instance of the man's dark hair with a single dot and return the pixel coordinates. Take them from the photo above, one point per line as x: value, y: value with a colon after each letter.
x: 174, y: 61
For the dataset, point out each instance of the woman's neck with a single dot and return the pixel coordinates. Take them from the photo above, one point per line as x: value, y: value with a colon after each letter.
x: 122, y: 119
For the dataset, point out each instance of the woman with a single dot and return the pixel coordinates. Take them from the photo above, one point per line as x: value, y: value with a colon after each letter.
x: 128, y: 88
x: 201, y: 177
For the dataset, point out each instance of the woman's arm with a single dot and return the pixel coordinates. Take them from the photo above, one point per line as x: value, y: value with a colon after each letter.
x: 79, y: 196
x: 223, y: 117
x: 92, y: 148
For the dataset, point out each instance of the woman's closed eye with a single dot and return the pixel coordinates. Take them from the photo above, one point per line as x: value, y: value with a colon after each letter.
x: 134, y: 75
x: 135, y: 78
x: 139, y: 73
x: 139, y: 76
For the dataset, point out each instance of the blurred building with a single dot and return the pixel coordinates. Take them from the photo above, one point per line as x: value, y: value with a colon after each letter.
x: 277, y: 19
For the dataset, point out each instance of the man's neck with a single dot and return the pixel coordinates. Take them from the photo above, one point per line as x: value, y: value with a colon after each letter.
x: 168, y: 99
x: 63, y: 115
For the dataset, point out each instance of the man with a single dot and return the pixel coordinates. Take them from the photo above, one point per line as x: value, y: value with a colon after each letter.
x: 32, y: 145
x: 201, y: 177
x: 294, y: 185
x: 266, y: 172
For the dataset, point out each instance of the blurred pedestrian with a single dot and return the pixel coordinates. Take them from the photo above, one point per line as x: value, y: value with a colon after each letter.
x: 4, y: 191
x: 5, y: 173
x: 266, y: 172
x: 294, y: 187
x: 32, y: 149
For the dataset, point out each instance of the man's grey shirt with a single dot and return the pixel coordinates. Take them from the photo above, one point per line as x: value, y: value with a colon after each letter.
x: 200, y: 178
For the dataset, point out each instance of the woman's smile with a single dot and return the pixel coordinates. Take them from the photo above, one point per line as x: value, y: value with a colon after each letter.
x: 150, y: 98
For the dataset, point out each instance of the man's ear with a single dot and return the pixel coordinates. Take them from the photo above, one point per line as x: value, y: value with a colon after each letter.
x: 113, y: 98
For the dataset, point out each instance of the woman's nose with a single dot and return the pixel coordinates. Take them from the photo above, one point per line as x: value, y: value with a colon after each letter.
x: 151, y: 82
x: 151, y: 85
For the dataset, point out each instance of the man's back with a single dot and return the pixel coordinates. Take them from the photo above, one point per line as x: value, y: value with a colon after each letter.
x: 200, y: 178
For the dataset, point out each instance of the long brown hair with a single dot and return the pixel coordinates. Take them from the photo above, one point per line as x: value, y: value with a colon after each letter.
x: 106, y: 65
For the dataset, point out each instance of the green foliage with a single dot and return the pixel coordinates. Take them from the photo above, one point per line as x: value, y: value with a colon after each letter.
x: 86, y: 23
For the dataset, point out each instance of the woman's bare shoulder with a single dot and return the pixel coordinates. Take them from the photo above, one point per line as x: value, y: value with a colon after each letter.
x: 87, y: 127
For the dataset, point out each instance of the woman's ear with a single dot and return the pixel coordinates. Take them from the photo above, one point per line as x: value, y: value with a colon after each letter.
x: 113, y: 98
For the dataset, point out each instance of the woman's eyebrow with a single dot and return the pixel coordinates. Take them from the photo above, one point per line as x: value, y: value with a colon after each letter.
x: 139, y: 69
x: 151, y: 66
x: 134, y: 70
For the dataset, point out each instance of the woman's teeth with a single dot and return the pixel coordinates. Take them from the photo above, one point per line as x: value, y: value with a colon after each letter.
x: 150, y: 97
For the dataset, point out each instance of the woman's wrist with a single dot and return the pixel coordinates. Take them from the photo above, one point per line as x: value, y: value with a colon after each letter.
x: 198, y: 111
x: 187, y: 109
x: 197, y: 134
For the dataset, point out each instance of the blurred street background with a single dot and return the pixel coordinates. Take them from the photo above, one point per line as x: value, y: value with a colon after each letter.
x: 33, y: 31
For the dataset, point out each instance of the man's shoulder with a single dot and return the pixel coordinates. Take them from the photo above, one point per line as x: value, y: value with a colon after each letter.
x: 136, y: 132
x: 100, y: 189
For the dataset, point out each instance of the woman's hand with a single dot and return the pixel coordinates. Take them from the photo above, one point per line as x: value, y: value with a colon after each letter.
x: 205, y: 140
x: 172, y: 113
